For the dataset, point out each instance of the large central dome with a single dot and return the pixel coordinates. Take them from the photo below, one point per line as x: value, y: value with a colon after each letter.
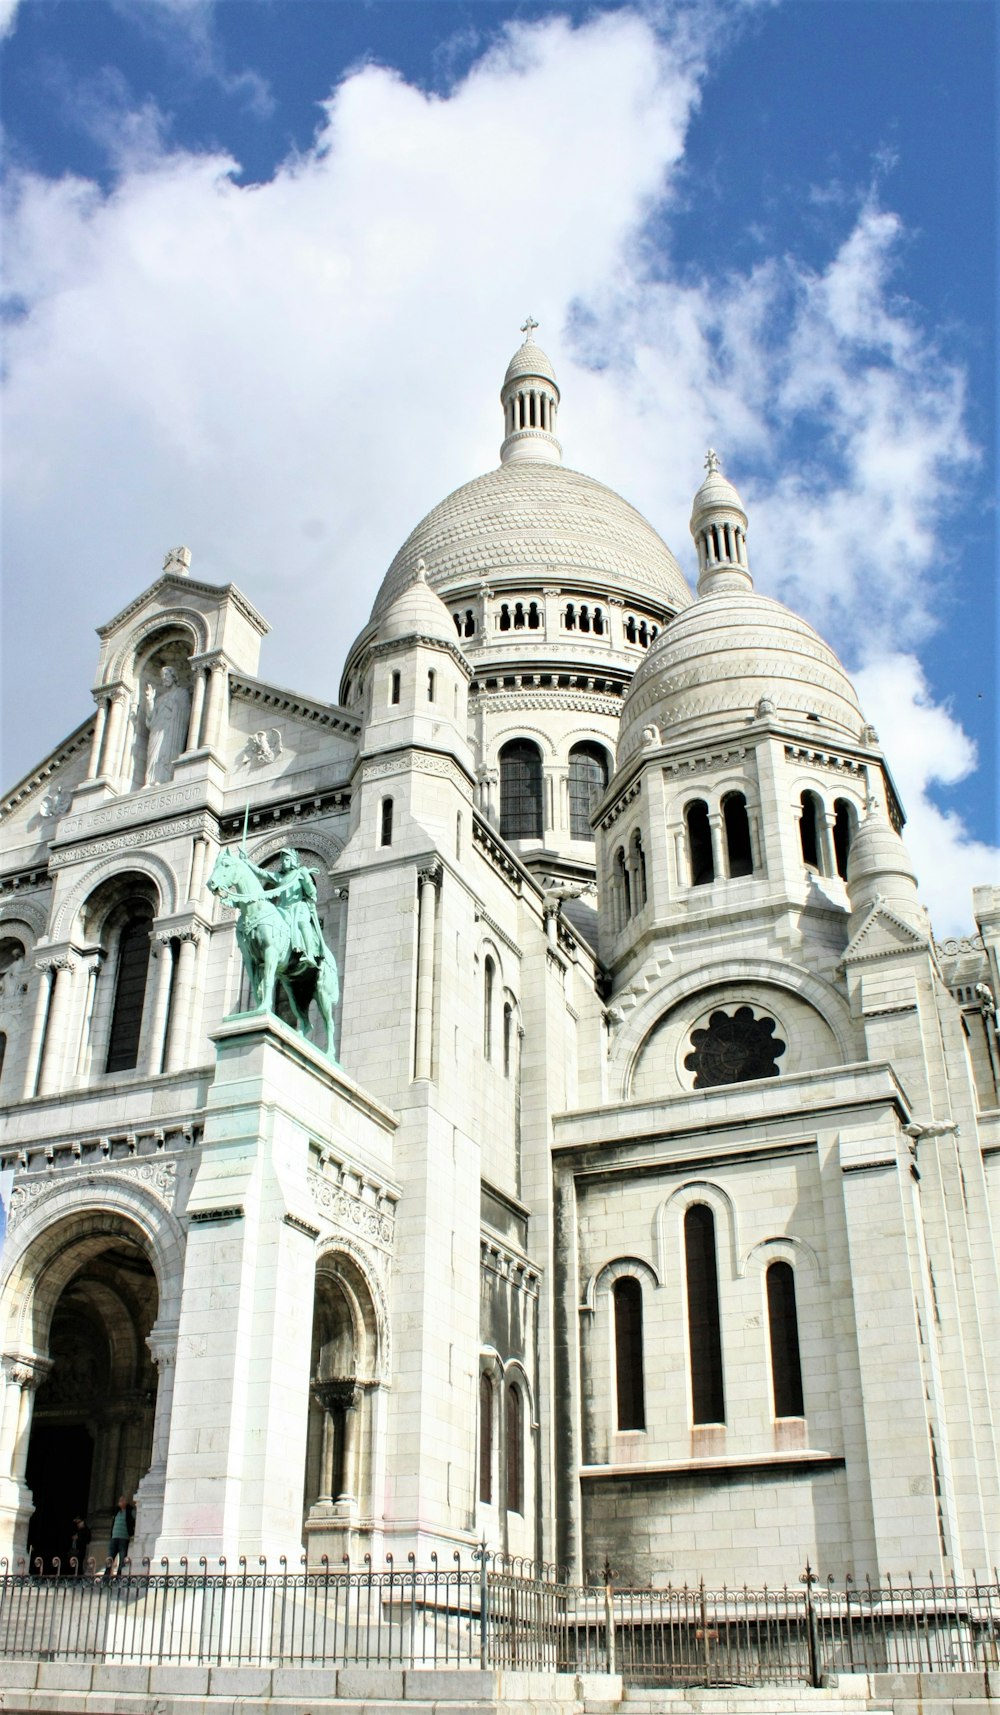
x: 541, y: 523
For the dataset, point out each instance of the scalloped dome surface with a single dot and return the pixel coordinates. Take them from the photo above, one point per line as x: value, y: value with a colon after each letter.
x: 416, y: 611
x: 542, y: 522
x: 714, y: 663
x: 530, y: 359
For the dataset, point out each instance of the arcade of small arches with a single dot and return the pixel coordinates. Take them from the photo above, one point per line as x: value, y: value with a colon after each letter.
x: 504, y: 1440
x: 607, y: 622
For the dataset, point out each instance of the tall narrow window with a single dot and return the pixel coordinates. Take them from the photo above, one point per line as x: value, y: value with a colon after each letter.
x: 588, y: 776
x: 130, y: 991
x: 638, y: 857
x: 508, y: 1038
x: 739, y: 854
x: 489, y: 980
x: 485, y: 1439
x: 628, y: 1353
x: 431, y: 678
x: 783, y: 1325
x: 515, y: 1449
x: 3, y: 1050
x: 699, y: 835
x: 394, y: 689
x: 521, y: 790
x: 385, y: 823
x: 704, y: 1327
x: 809, y: 829
x: 844, y: 826
x: 623, y: 888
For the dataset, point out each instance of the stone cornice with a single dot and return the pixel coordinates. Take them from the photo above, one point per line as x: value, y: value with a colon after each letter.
x: 279, y: 701
x: 507, y: 1264
x: 78, y: 740
x: 393, y: 645
x: 169, y: 580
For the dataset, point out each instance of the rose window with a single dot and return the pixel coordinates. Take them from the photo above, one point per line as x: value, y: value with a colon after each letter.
x: 734, y: 1047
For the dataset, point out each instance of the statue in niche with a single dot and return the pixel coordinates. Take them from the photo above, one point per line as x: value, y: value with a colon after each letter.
x: 166, y: 713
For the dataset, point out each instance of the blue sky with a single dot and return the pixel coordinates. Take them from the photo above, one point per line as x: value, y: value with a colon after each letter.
x: 267, y: 259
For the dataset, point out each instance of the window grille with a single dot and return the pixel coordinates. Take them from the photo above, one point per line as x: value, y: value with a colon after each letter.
x: 130, y: 992
x: 588, y: 777
x: 521, y: 791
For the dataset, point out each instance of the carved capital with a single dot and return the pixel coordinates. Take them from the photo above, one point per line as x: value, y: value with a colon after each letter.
x: 342, y: 891
x: 337, y: 1395
x: 27, y: 1373
x: 432, y: 872
x: 58, y: 962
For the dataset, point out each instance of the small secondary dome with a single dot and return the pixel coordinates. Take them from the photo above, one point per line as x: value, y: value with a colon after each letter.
x: 417, y: 612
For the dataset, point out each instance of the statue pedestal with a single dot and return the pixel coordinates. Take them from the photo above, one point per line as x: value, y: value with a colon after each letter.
x: 238, y: 1429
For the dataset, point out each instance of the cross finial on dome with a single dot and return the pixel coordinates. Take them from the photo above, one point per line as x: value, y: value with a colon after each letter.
x: 527, y: 328
x: 712, y: 463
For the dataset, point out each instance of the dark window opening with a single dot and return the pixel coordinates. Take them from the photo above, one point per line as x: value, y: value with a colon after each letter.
x: 485, y: 1440
x: 569, y: 617
x: 584, y: 618
x: 130, y: 992
x: 638, y: 870
x: 515, y: 1450
x: 631, y: 633
x: 3, y: 1050
x: 489, y: 975
x: 385, y: 823
x: 431, y: 678
x: 519, y: 616
x: 734, y: 1049
x: 844, y: 825
x: 704, y: 1325
x: 469, y: 628
x: 508, y: 1037
x: 504, y: 617
x: 534, y: 618
x: 809, y: 829
x: 628, y: 1354
x: 644, y: 634
x: 598, y: 622
x: 588, y: 777
x: 739, y: 853
x: 783, y: 1325
x: 624, y: 887
x: 699, y: 834
x: 521, y: 790
x: 394, y: 692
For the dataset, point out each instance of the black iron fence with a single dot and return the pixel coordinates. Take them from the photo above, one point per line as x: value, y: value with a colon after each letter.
x: 490, y: 1612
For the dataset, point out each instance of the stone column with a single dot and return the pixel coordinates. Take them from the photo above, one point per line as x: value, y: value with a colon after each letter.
x: 199, y: 857
x: 54, y: 1048
x: 197, y: 708
x: 180, y: 1012
x: 97, y: 742
x: 114, y: 734
x: 551, y: 607
x: 21, y: 1376
x: 429, y: 881
x: 38, y: 1022
x: 215, y: 704
x: 151, y: 1051
x: 827, y: 851
x: 162, y: 1343
x: 349, y: 1465
x: 718, y: 844
x: 27, y: 1374
x: 92, y: 962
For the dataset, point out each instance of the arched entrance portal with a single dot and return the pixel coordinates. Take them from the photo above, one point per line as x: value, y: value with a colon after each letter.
x: 92, y: 1424
x: 343, y: 1411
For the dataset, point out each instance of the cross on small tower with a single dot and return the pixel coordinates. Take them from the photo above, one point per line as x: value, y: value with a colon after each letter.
x: 528, y: 328
x: 712, y: 461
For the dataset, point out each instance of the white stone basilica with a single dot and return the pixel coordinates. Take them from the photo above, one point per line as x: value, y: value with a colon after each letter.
x: 652, y: 1212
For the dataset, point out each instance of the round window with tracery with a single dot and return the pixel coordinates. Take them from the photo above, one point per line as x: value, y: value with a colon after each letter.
x: 734, y: 1047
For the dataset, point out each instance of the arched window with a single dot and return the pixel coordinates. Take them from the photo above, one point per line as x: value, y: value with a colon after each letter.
x: 485, y: 1439
x: 739, y: 853
x: 504, y: 617
x: 3, y: 1050
x: 131, y: 965
x: 623, y: 888
x: 431, y: 682
x: 10, y: 951
x: 638, y: 857
x: 704, y: 1326
x: 628, y: 1353
x: 699, y: 835
x: 569, y: 617
x: 631, y: 634
x: 519, y: 615
x: 845, y: 824
x: 783, y: 1325
x: 385, y: 823
x: 598, y: 622
x: 489, y: 982
x: 588, y: 777
x: 809, y: 829
x: 515, y: 1449
x: 469, y: 629
x: 394, y: 688
x: 521, y: 790
x: 508, y: 1038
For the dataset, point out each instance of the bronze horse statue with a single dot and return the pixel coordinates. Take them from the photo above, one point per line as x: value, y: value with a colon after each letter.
x: 271, y: 946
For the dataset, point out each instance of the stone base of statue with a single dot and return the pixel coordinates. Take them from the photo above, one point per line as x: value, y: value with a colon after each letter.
x: 296, y: 1162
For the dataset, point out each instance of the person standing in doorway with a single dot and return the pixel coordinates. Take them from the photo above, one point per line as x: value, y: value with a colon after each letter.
x: 78, y: 1547
x: 122, y: 1532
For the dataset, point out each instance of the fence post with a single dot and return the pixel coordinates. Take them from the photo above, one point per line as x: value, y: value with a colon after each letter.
x: 809, y: 1578
x: 484, y: 1587
x: 609, y: 1620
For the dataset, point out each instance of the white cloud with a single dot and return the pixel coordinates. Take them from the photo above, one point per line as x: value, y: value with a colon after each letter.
x: 286, y: 376
x: 927, y: 748
x: 8, y: 17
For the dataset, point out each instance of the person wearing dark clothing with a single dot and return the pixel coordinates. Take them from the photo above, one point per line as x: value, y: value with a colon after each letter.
x: 122, y: 1532
x: 79, y: 1544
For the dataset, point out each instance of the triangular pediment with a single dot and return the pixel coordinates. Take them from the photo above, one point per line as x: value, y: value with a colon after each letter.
x: 170, y: 590
x: 882, y: 934
x: 30, y: 811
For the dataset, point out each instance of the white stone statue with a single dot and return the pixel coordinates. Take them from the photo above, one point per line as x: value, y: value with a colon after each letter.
x: 166, y: 714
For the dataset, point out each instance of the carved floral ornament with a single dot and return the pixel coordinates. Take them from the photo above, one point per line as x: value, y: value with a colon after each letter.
x: 157, y: 1177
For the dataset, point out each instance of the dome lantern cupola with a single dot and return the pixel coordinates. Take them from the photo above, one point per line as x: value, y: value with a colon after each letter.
x: 530, y: 400
x: 719, y: 528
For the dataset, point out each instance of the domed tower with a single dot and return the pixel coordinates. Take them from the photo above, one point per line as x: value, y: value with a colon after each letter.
x: 556, y: 589
x: 744, y: 766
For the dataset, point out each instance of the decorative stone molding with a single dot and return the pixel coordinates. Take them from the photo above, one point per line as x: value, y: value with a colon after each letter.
x: 605, y: 704
x: 705, y: 760
x: 432, y: 872
x: 148, y: 863
x: 26, y: 1373
x: 505, y: 1264
x: 323, y: 844
x: 157, y: 1177
x: 494, y: 928
x: 125, y: 842
x: 285, y: 813
x: 25, y: 912
x: 825, y: 759
x: 493, y: 849
x: 347, y: 1196
x: 622, y: 803
x: 269, y: 697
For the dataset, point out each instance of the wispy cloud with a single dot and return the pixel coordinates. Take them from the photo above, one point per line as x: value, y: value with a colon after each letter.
x: 8, y: 17
x: 187, y: 31
x: 287, y: 376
